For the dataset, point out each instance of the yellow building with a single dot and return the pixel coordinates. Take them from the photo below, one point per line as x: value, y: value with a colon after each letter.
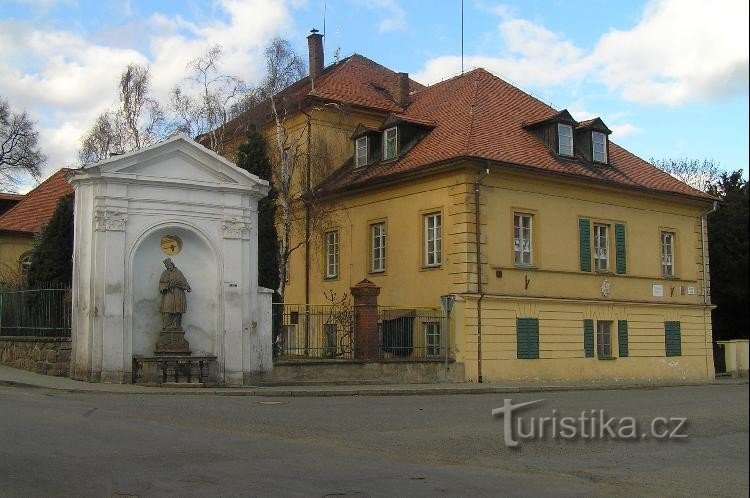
x: 569, y: 257
x: 24, y: 220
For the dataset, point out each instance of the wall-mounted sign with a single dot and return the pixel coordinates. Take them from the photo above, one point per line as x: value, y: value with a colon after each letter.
x: 171, y: 245
x: 658, y: 290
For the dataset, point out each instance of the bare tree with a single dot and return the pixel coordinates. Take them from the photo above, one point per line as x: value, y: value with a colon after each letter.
x: 209, y: 100
x: 19, y: 147
x: 698, y: 174
x: 136, y: 121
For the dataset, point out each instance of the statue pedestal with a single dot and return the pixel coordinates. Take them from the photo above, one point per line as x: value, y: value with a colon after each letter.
x: 172, y: 342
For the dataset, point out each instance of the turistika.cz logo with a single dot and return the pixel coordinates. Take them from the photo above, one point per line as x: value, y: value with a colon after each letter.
x: 589, y: 424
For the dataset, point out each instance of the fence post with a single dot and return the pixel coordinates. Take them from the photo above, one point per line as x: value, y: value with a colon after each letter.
x: 365, y: 295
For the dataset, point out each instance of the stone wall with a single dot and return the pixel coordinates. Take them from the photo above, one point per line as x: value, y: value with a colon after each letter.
x: 43, y: 355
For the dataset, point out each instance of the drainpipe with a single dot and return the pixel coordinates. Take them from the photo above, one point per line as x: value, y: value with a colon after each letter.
x: 480, y: 289
x: 706, y: 283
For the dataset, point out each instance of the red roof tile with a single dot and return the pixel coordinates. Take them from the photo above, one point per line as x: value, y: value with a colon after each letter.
x: 478, y: 115
x: 354, y: 81
x: 36, y: 207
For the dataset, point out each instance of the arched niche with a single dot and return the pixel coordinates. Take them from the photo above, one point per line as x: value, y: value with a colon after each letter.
x: 198, y: 261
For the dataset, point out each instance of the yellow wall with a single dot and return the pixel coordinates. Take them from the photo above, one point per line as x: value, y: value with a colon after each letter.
x: 554, y: 290
x: 12, y: 248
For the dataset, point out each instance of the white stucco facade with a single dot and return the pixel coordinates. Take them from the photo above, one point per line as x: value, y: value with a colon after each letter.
x: 124, y: 208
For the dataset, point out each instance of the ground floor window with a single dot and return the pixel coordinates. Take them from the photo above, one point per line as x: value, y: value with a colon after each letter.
x: 432, y: 338
x: 604, y: 339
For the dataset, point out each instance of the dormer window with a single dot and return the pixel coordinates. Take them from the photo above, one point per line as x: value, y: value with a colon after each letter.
x: 599, y: 144
x: 390, y: 143
x: 565, y: 139
x: 360, y: 155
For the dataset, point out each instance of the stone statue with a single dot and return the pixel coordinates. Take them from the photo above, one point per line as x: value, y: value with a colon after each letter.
x: 172, y: 287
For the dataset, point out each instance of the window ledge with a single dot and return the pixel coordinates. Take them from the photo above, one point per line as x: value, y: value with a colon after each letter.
x: 334, y: 277
x: 607, y: 358
x: 430, y: 267
x: 525, y: 267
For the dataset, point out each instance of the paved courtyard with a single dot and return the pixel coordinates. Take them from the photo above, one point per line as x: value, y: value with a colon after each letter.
x: 56, y: 443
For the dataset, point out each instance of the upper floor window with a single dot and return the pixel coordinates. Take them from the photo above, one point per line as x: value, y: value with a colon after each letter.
x: 332, y: 254
x: 667, y: 254
x: 522, y: 248
x: 360, y: 155
x: 599, y: 143
x: 565, y: 139
x: 377, y: 260
x: 601, y: 247
x: 390, y: 143
x: 433, y: 239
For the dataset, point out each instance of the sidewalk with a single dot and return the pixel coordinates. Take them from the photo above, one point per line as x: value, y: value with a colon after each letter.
x: 22, y: 378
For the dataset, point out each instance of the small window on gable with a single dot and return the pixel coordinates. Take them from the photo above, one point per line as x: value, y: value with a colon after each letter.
x: 565, y: 139
x: 360, y: 153
x: 390, y: 143
x: 599, y: 144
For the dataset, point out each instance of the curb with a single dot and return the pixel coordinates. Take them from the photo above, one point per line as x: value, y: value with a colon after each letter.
x: 426, y: 391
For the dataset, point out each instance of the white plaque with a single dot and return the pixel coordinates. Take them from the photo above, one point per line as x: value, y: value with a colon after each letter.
x: 658, y: 290
x: 691, y: 291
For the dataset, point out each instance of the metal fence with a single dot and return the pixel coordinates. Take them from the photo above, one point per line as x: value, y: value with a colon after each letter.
x: 313, y: 331
x: 43, y: 312
x: 308, y: 332
x: 411, y: 333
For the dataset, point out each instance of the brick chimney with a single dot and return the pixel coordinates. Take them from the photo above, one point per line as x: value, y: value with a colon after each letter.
x: 403, y: 89
x: 315, y: 53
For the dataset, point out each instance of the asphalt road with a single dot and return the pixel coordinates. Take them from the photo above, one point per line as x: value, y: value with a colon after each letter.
x: 88, y: 444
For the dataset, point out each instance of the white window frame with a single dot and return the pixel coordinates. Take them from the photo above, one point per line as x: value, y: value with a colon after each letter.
x: 523, y: 242
x: 568, y: 139
x: 433, y: 239
x: 432, y: 338
x: 360, y: 151
x: 332, y: 254
x: 377, y: 247
x: 394, y: 132
x: 24, y: 263
x: 604, y: 339
x: 602, y: 158
x: 601, y: 247
x: 667, y: 253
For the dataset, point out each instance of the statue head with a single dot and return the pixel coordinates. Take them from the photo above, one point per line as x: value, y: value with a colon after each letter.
x: 168, y: 263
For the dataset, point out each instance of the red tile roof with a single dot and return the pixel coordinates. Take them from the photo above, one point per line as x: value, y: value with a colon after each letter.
x: 36, y: 207
x: 354, y: 81
x: 480, y: 116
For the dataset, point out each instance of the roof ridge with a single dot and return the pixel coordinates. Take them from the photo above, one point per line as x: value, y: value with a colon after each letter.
x: 472, y: 115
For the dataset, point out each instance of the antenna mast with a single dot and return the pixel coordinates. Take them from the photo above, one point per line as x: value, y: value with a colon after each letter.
x: 462, y: 36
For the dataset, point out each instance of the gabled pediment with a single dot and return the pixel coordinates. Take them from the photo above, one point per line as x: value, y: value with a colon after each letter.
x: 176, y: 159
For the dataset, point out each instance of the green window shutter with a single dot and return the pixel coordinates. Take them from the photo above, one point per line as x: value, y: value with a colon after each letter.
x: 672, y: 339
x: 584, y: 234
x: 527, y: 337
x: 622, y: 337
x: 588, y: 338
x: 620, y: 259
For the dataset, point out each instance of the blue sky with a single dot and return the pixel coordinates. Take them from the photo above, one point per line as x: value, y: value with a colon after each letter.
x: 669, y: 77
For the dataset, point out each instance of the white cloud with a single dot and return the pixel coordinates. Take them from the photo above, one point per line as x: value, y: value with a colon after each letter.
x: 623, y: 130
x: 392, y: 15
x: 64, y: 78
x: 680, y: 51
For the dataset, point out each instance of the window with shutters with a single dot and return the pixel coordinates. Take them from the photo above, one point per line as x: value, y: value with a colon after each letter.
x: 360, y: 153
x: 601, y: 247
x: 523, y: 254
x: 599, y: 146
x: 672, y: 339
x: 527, y: 338
x: 603, y: 339
x: 667, y: 254
x: 390, y: 143
x: 622, y: 339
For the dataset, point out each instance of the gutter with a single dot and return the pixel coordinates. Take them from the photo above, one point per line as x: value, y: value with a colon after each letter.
x: 480, y: 289
x: 706, y: 283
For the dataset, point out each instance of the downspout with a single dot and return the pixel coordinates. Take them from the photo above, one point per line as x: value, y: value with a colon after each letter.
x: 480, y: 289
x: 706, y: 283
